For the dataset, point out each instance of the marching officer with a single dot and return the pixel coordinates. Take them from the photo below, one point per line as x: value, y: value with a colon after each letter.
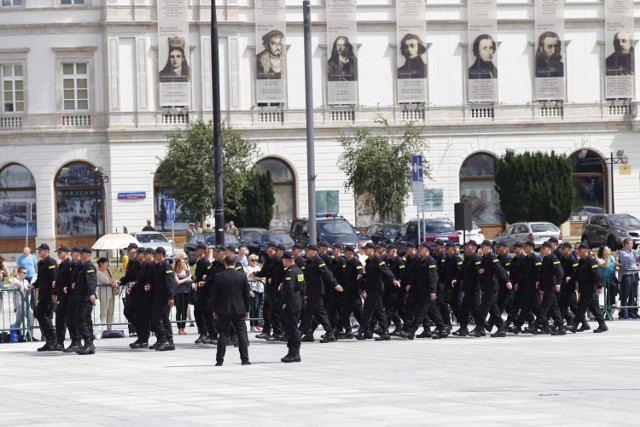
x: 528, y: 287
x: 164, y: 284
x: 394, y: 295
x: 351, y: 303
x: 590, y: 286
x: 144, y: 300
x: 203, y: 322
x: 292, y: 290
x: 516, y: 276
x: 47, y: 296
x: 449, y: 295
x: 86, y: 284
x: 567, y: 296
x: 468, y: 280
x: 551, y: 275
x: 491, y: 272
x: 337, y: 264
x: 62, y: 284
x: 74, y: 334
x: 129, y: 279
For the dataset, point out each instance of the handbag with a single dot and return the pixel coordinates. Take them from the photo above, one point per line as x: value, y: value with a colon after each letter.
x: 116, y: 290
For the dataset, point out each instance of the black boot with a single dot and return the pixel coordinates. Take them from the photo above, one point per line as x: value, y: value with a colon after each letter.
x: 501, y: 332
x: 584, y: 327
x: 307, y: 338
x: 426, y: 333
x: 88, y: 348
x: 292, y: 357
x: 49, y: 346
x: 75, y: 345
x: 461, y: 332
x: 384, y: 335
x: 601, y: 328
x: 559, y: 330
x: 478, y: 332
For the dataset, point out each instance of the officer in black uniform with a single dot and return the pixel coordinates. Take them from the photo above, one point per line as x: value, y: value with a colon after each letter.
x: 411, y: 261
x: 337, y: 264
x: 376, y: 274
x: 296, y: 250
x: 164, y: 284
x: 590, y: 285
x: 491, y: 272
x: 551, y: 275
x: 74, y: 334
x: 318, y: 279
x: 567, y: 301
x: 516, y: 276
x: 352, y: 302
x: 144, y: 297
x: 129, y: 280
x: 449, y: 295
x: 323, y: 252
x: 469, y: 282
x: 47, y: 296
x: 203, y: 266
x: 86, y: 284
x: 62, y: 284
x: 217, y: 266
x: 504, y: 287
x: 394, y: 295
x: 278, y: 277
x: 529, y: 287
x: 292, y: 290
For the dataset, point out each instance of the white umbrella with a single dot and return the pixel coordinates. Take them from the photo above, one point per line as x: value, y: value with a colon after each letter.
x: 114, y: 241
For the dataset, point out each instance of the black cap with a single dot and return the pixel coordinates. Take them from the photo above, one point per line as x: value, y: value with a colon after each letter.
x: 43, y: 246
x: 566, y: 245
x: 160, y: 250
x: 219, y: 248
x: 583, y: 246
x: 449, y: 245
x: 287, y: 255
x: 76, y: 249
x: 438, y: 242
x: 410, y: 245
x: 230, y: 248
x: 425, y: 245
x: 311, y: 247
x: 518, y: 245
x: 323, y: 244
x: 271, y: 245
x: 391, y: 246
x: 297, y: 246
x: 546, y: 245
x: 201, y: 245
x: 132, y: 246
x: 529, y: 243
x: 281, y: 247
x: 349, y: 248
x: 148, y: 251
x: 503, y: 244
x: 472, y: 243
x: 553, y: 240
x: 85, y: 250
x: 62, y: 248
x: 485, y: 242
x: 369, y: 245
x: 336, y: 246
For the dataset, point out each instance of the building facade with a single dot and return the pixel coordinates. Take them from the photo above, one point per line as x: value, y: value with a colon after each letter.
x: 86, y: 106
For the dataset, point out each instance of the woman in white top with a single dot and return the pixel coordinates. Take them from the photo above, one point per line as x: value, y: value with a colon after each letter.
x: 106, y: 293
x: 257, y: 291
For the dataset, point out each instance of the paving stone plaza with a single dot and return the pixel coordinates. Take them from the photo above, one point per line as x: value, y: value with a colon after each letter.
x: 582, y: 379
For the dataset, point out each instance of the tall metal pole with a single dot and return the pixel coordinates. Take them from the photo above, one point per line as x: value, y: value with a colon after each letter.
x: 311, y: 162
x: 613, y: 198
x: 217, y: 145
x: 96, y: 210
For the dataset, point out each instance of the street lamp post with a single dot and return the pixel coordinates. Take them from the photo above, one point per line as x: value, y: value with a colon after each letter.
x: 101, y: 178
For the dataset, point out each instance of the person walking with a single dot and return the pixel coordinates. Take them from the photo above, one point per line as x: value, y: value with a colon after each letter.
x: 62, y: 284
x: 590, y: 286
x: 164, y: 284
x: 292, y: 290
x: 85, y: 300
x: 47, y: 296
x: 628, y: 261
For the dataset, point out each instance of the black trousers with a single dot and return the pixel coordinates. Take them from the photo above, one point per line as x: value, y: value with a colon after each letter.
x: 44, y: 314
x: 290, y: 324
x: 567, y: 302
x: 588, y: 300
x: 83, y: 320
x: 334, y: 307
x: 203, y: 313
x: 373, y: 309
x: 426, y: 309
x: 160, y: 323
x: 528, y: 300
x: 393, y: 301
x: 351, y: 303
x: 470, y: 305
x: 489, y: 305
x: 549, y: 309
x: 449, y: 301
x: 182, y: 305
x: 225, y: 321
x: 71, y: 316
x: 62, y: 312
x: 315, y: 309
x: 271, y: 314
x: 130, y: 309
x: 144, y: 306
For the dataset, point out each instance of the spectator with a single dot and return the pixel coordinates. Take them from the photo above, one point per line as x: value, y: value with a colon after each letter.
x: 628, y: 276
x: 242, y: 257
x: 607, y: 268
x: 191, y: 231
x: 148, y: 227
x: 232, y: 229
x: 198, y: 227
x: 183, y: 292
x: 21, y: 301
x: 106, y: 293
x: 208, y: 229
x: 257, y: 291
x: 29, y: 262
x: 4, y: 273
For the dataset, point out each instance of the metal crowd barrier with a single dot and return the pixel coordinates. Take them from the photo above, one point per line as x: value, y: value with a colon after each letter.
x: 13, y: 304
x: 608, y: 306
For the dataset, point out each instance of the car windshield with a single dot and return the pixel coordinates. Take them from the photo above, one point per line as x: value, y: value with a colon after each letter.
x: 440, y: 227
x: 229, y: 239
x: 277, y: 238
x: 540, y: 228
x: 624, y: 221
x: 391, y: 230
x: 593, y: 210
x: 151, y: 238
x: 329, y: 228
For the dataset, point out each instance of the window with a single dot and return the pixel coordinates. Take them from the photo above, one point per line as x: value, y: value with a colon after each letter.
x: 79, y: 200
x: 589, y: 179
x: 284, y: 187
x: 17, y: 195
x: 12, y: 88
x: 72, y: 2
x: 328, y: 201
x: 477, y: 186
x: 75, y: 84
x: 11, y: 3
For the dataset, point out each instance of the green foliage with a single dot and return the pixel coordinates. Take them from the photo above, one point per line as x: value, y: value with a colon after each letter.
x: 380, y: 165
x: 535, y: 187
x: 187, y: 169
x: 259, y: 190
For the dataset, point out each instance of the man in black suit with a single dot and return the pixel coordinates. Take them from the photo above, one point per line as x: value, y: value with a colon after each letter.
x: 231, y: 302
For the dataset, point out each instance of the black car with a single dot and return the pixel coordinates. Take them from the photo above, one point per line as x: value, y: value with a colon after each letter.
x: 332, y: 230
x: 385, y: 232
x: 610, y: 230
x: 210, y: 240
x: 256, y: 239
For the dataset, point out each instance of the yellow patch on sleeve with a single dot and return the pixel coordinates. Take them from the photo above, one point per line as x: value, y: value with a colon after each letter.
x: 52, y: 266
x: 300, y: 277
x: 381, y: 264
x: 403, y: 266
x: 90, y: 271
x: 556, y: 262
x: 169, y: 271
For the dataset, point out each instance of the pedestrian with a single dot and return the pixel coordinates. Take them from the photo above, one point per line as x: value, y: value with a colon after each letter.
x: 257, y: 292
x: 551, y: 275
x: 490, y: 272
x: 107, y: 292
x: 292, y: 290
x: 590, y: 286
x: 28, y: 261
x: 628, y: 261
x: 164, y: 294
x: 231, y: 303
x: 62, y: 285
x: 85, y: 300
x: 148, y: 227
x: 203, y: 266
x: 469, y: 282
x: 183, y: 292
x: 47, y: 296
x: 21, y: 301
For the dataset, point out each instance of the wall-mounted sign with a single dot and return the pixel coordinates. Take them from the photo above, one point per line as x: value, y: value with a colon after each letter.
x: 132, y: 195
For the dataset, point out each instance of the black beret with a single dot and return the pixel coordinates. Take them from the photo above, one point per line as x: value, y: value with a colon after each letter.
x: 425, y: 245
x: 230, y: 248
x: 553, y: 240
x: 529, y: 243
x: 410, y: 245
x: 391, y: 246
x: 503, y: 244
x: 472, y: 243
x: 219, y: 248
x: 76, y: 249
x: 566, y: 245
x: 369, y: 245
x: 132, y: 246
x: 148, y: 251
x: 62, y: 248
x: 349, y: 248
x: 281, y: 247
x: 449, y: 245
x: 271, y: 245
x: 518, y: 245
x: 337, y: 246
x: 583, y: 246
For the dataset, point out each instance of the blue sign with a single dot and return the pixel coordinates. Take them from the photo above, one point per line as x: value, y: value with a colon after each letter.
x: 416, y: 168
x: 170, y: 208
x: 132, y: 195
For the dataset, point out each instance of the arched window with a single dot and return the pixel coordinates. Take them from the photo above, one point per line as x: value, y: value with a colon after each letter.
x: 17, y: 196
x: 284, y: 187
x: 477, y: 186
x: 590, y: 182
x: 79, y: 195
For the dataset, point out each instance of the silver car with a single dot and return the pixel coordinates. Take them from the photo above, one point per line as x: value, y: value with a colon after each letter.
x: 538, y: 232
x: 153, y: 239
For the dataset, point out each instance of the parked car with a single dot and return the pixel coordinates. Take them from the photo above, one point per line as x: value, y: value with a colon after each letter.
x: 210, y: 240
x: 383, y: 232
x: 332, y: 230
x: 538, y: 232
x: 475, y: 233
x: 582, y: 212
x: 256, y: 239
x: 153, y: 239
x: 431, y: 230
x: 610, y: 230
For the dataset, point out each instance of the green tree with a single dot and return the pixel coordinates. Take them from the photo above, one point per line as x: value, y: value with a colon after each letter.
x: 187, y: 169
x: 259, y: 190
x: 380, y: 164
x: 535, y: 187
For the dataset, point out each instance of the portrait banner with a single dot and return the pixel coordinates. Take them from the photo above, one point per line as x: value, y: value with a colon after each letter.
x: 271, y: 52
x: 619, y: 52
x: 482, y: 30
x: 411, y: 29
x: 549, y: 63
x: 173, y: 53
x: 342, y: 47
